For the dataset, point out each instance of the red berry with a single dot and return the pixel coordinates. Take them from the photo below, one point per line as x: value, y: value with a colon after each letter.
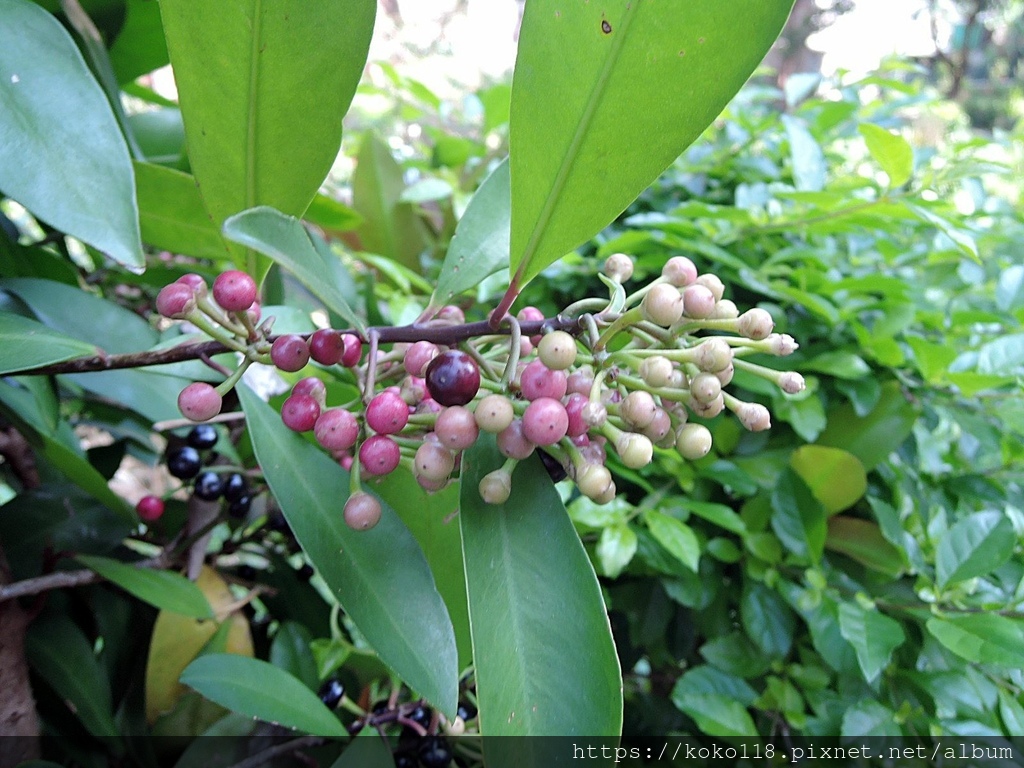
x: 353, y: 350
x: 537, y: 380
x: 175, y: 301
x: 453, y: 378
x: 199, y: 401
x: 150, y: 508
x: 326, y: 346
x: 574, y: 410
x: 234, y: 290
x: 545, y: 421
x: 512, y: 442
x: 300, y: 412
x: 418, y: 357
x: 290, y: 352
x: 313, y: 387
x: 196, y: 282
x: 387, y: 413
x: 336, y: 429
x: 379, y: 455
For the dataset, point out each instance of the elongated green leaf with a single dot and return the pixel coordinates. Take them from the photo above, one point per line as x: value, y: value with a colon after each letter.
x: 263, y: 92
x: 862, y: 540
x: 974, y: 546
x: 163, y: 589
x: 286, y: 241
x: 873, y: 437
x: 798, y: 518
x: 716, y: 701
x: 479, y: 247
x: 545, y: 661
x: 367, y: 751
x: 172, y: 215
x: 60, y: 652
x: 27, y: 344
x: 592, y: 124
x: 75, y: 174
x: 835, y: 477
x: 767, y: 620
x: 984, y: 638
x: 290, y: 651
x: 261, y: 690
x: 380, y: 576
x: 675, y: 536
x: 873, y: 635
x: 891, y: 152
x: 140, y: 46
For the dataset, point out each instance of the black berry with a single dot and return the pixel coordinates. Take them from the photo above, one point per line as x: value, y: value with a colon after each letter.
x: 240, y: 507
x: 421, y: 716
x: 434, y: 752
x: 305, y: 573
x: 405, y: 760
x: 453, y: 378
x: 208, y: 486
x: 247, y: 572
x: 235, y: 487
x: 553, y: 466
x: 379, y: 707
x: 184, y: 463
x: 202, y: 437
x: 330, y: 692
x: 466, y: 711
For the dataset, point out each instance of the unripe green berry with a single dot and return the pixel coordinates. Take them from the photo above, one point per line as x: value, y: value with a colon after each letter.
x: 656, y: 371
x: 619, y: 267
x: 693, y: 441
x: 593, y: 480
x: 606, y: 496
x: 557, y: 350
x: 495, y: 487
x: 713, y: 355
x: 705, y: 387
x: 494, y: 413
x: 635, y: 450
x: 638, y: 409
x: 755, y: 324
x: 663, y: 305
x: 709, y: 409
x: 725, y: 310
x: 726, y: 374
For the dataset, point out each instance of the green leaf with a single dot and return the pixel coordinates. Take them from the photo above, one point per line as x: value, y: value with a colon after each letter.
x: 716, y: 701
x: 805, y: 155
x: 799, y: 519
x: 331, y: 215
x: 591, y: 126
x: 479, y: 247
x: 290, y: 651
x: 767, y: 620
x: 366, y: 751
x: 262, y: 93
x: 139, y: 47
x: 545, y: 660
x: 163, y: 589
x: 982, y: 638
x: 74, y: 174
x: 1011, y: 712
x: 862, y: 540
x: 873, y: 437
x: 615, y: 548
x: 286, y: 241
x: 869, y: 718
x: 719, y: 514
x: 390, y: 227
x: 172, y: 215
x: 261, y: 690
x: 841, y: 364
x: 873, y: 635
x: 62, y: 655
x: 891, y: 151
x: 976, y: 545
x: 27, y: 344
x: 675, y: 536
x: 836, y: 478
x: 380, y: 576
x: 1010, y: 288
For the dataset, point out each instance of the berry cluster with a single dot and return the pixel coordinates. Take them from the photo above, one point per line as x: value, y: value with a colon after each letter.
x: 624, y: 374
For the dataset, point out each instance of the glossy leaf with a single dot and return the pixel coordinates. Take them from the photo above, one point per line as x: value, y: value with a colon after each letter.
x: 869, y: 718
x: 27, y: 344
x: 172, y: 215
x: 162, y: 589
x: 290, y: 651
x: 873, y: 635
x: 835, y: 477
x: 74, y: 174
x: 862, y: 540
x: 479, y: 247
x: 367, y: 751
x: 286, y: 241
x: 140, y: 46
x: 805, y: 155
x: 62, y: 655
x: 891, y: 151
x: 982, y: 638
x: 245, y: 73
x: 542, y: 644
x: 261, y: 690
x: 1010, y: 288
x: 767, y: 620
x: 591, y: 126
x: 716, y: 701
x: 976, y: 545
x: 380, y: 576
x: 675, y: 536
x: 799, y: 519
x: 842, y: 364
x: 873, y: 437
x: 615, y: 548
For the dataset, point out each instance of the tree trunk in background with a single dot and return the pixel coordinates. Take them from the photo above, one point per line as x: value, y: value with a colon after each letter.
x: 18, y: 717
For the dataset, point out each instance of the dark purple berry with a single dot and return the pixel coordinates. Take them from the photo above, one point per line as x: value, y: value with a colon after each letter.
x: 184, y: 463
x: 420, y: 715
x: 277, y: 522
x: 405, y: 760
x: 235, y: 487
x: 466, y: 711
x: 553, y: 466
x: 453, y: 378
x: 208, y: 486
x: 434, y: 752
x: 326, y: 346
x: 305, y: 572
x: 202, y: 437
x: 240, y: 506
x: 290, y: 352
x: 330, y: 692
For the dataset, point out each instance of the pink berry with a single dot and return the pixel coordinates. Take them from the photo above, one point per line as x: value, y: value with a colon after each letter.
x: 234, y: 290
x: 326, y: 346
x: 755, y: 324
x: 574, y: 410
x: 387, y: 413
x: 150, y: 508
x: 300, y: 412
x: 713, y: 283
x: 353, y: 350
x: 413, y: 389
x: 580, y: 381
x: 175, y: 301
x: 513, y: 443
x: 379, y: 455
x: 679, y: 271
x: 663, y: 305
x: 362, y: 511
x: 290, y: 352
x: 698, y: 301
x: 619, y: 267
x: 537, y: 380
x: 199, y: 401
x: 336, y: 429
x: 196, y: 282
x: 456, y: 428
x: 433, y: 462
x: 313, y: 387
x: 451, y: 315
x: 660, y: 427
x: 545, y: 421
x: 418, y: 356
x: 255, y: 312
